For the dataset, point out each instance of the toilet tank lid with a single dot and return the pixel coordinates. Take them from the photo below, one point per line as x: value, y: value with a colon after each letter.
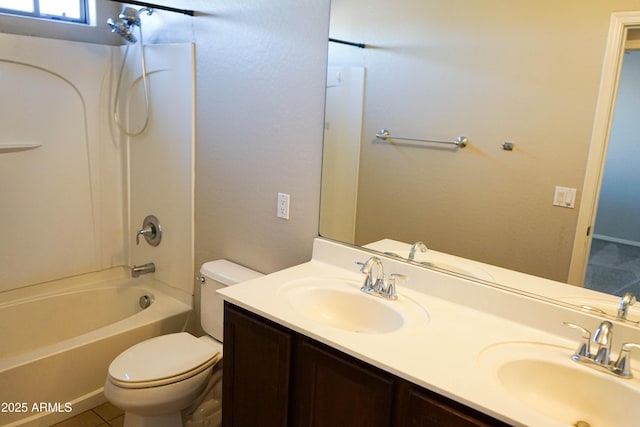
x: 227, y: 272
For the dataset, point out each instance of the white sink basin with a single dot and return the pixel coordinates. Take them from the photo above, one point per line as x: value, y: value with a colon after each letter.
x: 544, y: 378
x: 340, y: 304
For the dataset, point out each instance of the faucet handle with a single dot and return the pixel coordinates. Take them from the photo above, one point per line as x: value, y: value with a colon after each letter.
x: 390, y: 292
x: 365, y: 267
x: 623, y: 365
x: 584, y: 348
x: 144, y: 232
x: 151, y: 231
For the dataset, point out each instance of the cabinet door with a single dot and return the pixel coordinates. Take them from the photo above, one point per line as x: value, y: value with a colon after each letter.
x: 418, y: 407
x: 257, y: 355
x: 335, y: 390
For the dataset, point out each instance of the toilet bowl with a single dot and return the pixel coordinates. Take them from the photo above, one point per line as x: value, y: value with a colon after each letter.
x: 154, y: 381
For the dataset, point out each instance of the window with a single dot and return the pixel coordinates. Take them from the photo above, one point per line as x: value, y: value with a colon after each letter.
x: 63, y: 10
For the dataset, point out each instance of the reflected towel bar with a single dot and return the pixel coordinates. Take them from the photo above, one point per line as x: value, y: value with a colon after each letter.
x: 384, y: 134
x: 18, y: 146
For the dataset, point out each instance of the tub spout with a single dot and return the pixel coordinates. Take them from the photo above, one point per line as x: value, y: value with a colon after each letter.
x: 137, y: 270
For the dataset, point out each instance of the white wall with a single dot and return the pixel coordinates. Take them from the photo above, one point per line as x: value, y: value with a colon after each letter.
x: 260, y: 98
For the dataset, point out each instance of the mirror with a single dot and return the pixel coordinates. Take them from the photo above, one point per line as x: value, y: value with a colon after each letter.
x: 526, y: 74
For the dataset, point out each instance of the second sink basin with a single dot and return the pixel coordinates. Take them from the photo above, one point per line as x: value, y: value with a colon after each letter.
x: 544, y: 378
x: 340, y: 304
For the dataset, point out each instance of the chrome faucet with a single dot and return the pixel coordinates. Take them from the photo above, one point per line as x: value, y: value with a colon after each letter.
x: 601, y: 360
x: 138, y: 270
x: 625, y: 302
x: 419, y: 245
x: 602, y: 337
x: 370, y: 285
x: 377, y: 286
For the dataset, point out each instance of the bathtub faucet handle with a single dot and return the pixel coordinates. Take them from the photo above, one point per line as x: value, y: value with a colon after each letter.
x: 147, y: 231
x: 151, y: 231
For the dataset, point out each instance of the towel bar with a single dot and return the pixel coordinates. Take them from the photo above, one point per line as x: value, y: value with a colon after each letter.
x: 18, y: 146
x: 460, y: 142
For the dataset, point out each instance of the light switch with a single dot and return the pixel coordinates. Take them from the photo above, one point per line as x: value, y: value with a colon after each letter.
x: 564, y: 197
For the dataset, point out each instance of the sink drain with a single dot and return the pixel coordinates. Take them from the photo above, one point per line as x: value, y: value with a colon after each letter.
x: 581, y: 423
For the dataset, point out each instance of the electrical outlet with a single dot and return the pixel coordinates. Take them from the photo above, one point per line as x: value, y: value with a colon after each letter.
x: 283, y: 206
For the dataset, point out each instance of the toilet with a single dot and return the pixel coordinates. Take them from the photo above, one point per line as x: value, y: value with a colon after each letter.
x: 156, y: 380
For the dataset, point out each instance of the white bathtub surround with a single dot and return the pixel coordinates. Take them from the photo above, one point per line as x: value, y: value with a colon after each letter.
x: 52, y: 194
x: 444, y: 352
x: 66, y: 333
x: 161, y: 161
x: 71, y: 205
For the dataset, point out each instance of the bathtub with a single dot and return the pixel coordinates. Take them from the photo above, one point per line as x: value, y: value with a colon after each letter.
x: 58, y: 339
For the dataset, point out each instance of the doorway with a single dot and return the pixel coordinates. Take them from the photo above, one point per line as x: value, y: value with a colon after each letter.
x: 604, y: 252
x: 614, y: 258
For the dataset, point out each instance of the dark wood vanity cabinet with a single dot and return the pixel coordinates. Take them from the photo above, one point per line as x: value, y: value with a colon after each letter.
x: 417, y: 407
x: 273, y: 376
x: 333, y: 389
x: 255, y: 370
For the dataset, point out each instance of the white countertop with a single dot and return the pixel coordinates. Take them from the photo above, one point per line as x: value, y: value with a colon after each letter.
x: 440, y: 352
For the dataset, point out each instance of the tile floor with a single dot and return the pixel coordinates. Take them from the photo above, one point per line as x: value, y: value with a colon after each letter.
x: 105, y: 415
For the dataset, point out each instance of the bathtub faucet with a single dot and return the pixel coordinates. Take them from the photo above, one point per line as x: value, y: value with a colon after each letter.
x: 137, y: 270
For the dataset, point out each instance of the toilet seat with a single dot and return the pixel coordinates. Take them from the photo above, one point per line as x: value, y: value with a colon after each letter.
x: 162, y: 360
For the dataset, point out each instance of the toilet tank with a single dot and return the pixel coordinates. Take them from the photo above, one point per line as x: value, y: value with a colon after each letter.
x: 216, y: 275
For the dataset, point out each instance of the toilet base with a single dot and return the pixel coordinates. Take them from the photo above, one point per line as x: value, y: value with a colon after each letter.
x: 169, y: 420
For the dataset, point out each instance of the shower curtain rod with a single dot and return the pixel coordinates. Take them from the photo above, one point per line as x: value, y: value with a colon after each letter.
x: 360, y: 45
x: 156, y: 6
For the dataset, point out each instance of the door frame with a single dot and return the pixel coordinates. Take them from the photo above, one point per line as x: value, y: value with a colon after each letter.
x: 618, y: 27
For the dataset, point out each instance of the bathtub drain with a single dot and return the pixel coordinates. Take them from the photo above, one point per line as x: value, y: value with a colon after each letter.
x: 144, y: 301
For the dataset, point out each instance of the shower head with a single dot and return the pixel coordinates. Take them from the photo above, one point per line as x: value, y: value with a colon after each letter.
x: 123, y: 29
x: 128, y: 18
